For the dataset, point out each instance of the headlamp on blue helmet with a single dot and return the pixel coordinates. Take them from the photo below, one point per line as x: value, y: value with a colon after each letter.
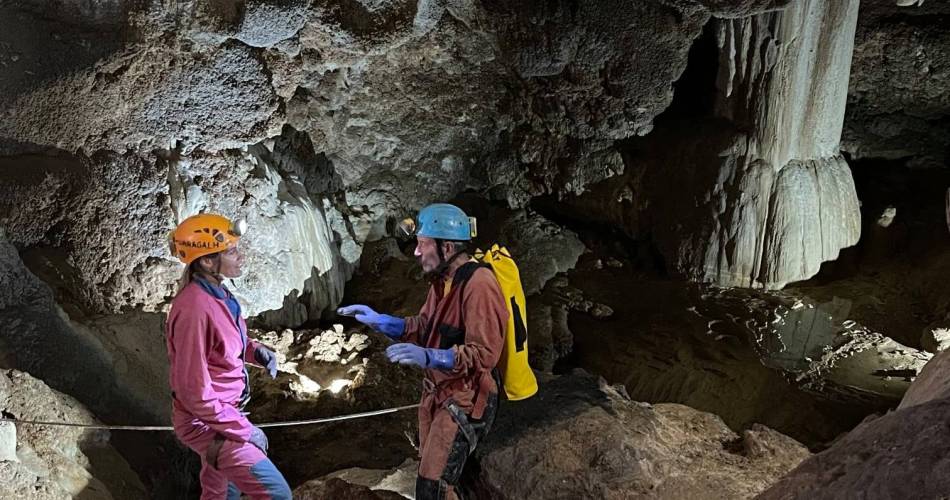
x: 441, y: 221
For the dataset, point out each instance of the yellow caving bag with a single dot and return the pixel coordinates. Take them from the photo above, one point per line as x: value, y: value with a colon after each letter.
x: 516, y: 374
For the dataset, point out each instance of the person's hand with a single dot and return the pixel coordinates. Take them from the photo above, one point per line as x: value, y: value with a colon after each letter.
x: 411, y: 354
x: 266, y: 358
x: 390, y: 326
x: 259, y: 439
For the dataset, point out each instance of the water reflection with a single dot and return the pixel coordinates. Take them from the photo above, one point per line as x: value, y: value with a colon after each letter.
x: 802, y: 367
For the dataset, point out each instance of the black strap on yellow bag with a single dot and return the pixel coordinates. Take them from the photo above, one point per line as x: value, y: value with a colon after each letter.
x: 516, y: 375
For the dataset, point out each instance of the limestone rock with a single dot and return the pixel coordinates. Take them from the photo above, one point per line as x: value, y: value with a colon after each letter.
x: 450, y: 87
x: 41, y: 42
x: 898, y: 98
x: 401, y: 479
x: 882, y: 456
x: 781, y: 199
x: 103, y: 15
x: 59, y: 462
x: 549, y: 336
x: 32, y: 201
x: 215, y: 100
x: 811, y: 42
x: 774, y: 204
x: 338, y: 488
x: 337, y: 384
x: 8, y: 442
x: 266, y: 23
x: 551, y: 45
x: 541, y: 248
x: 577, y: 440
x: 763, y: 229
x: 784, y: 175
x: 110, y: 224
x: 936, y: 337
x: 121, y: 208
x: 866, y: 365
x: 39, y: 338
x: 932, y: 383
x: 813, y: 213
x: 878, y: 459
x: 314, y: 123
x: 742, y: 8
x: 315, y: 361
x: 298, y: 248
x: 670, y: 343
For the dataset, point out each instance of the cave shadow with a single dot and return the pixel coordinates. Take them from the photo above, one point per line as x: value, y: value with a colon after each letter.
x: 39, y: 341
x: 37, y: 49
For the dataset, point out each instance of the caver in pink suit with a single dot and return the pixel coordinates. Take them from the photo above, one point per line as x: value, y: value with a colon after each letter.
x: 207, y: 349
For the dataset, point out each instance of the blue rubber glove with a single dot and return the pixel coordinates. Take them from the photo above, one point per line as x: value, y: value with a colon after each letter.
x: 411, y: 354
x: 266, y: 358
x: 258, y: 439
x: 389, y: 326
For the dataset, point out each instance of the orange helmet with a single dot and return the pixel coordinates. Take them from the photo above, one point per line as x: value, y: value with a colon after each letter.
x: 204, y: 234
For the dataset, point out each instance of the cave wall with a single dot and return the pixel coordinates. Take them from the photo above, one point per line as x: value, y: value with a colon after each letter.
x: 316, y: 121
x: 753, y: 191
x: 329, y: 118
x: 899, y: 94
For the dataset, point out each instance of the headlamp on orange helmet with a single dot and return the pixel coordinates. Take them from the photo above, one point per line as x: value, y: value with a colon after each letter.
x: 204, y: 234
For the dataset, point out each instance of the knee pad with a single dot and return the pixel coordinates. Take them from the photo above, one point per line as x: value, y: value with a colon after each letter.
x: 430, y: 489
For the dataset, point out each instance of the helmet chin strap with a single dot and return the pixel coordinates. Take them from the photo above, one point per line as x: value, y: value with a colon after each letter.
x: 443, y: 262
x: 216, y: 272
x: 438, y: 249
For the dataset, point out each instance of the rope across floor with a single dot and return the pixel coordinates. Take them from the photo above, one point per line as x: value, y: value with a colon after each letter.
x: 351, y: 416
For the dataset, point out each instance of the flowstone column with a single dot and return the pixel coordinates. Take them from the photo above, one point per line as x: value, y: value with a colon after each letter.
x: 783, y: 201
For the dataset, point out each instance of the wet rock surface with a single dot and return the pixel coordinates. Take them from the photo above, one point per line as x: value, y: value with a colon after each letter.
x: 698, y: 346
x: 818, y: 346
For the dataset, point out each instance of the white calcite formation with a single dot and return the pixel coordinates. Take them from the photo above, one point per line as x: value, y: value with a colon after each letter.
x: 784, y: 201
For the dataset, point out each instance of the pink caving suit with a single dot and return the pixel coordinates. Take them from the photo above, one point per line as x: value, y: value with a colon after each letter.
x: 207, y: 350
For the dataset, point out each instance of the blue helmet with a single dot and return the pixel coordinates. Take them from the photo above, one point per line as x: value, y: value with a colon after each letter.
x: 442, y: 221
